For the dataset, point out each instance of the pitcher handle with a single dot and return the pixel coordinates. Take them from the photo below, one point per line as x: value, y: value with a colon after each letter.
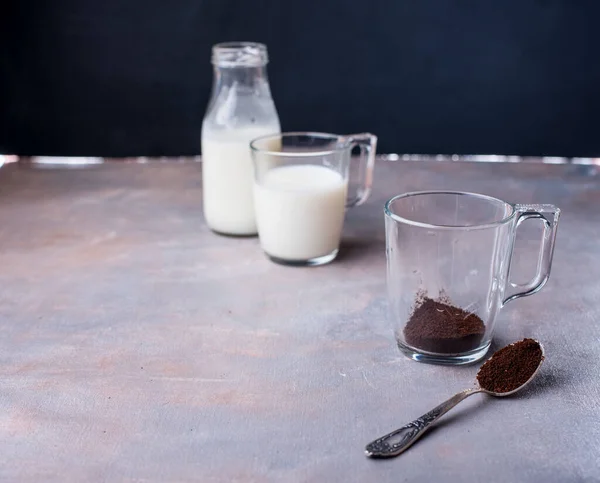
x: 367, y: 143
x: 548, y: 215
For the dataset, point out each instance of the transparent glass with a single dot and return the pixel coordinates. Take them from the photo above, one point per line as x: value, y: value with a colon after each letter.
x: 240, y: 109
x: 301, y: 192
x: 455, y: 249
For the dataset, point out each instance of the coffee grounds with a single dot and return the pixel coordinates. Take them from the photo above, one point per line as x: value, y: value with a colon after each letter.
x: 439, y: 327
x: 511, y: 366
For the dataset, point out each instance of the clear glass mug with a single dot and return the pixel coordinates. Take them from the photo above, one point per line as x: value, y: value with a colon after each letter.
x: 301, y: 192
x: 448, y: 269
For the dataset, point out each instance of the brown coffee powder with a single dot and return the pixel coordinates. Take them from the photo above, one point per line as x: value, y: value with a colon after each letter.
x: 436, y: 326
x: 511, y: 366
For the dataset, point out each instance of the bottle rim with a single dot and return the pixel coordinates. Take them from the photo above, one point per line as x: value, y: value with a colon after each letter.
x: 239, y: 54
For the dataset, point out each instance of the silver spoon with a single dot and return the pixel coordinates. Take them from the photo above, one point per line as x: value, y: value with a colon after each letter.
x: 398, y: 441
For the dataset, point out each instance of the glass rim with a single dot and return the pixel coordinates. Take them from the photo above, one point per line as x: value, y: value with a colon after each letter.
x: 238, y: 44
x: 256, y: 54
x: 292, y: 154
x: 400, y: 219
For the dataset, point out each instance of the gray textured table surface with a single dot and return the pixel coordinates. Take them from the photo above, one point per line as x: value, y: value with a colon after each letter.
x: 135, y: 345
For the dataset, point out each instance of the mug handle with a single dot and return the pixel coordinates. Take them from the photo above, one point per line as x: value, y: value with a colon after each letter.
x: 548, y: 215
x: 367, y: 143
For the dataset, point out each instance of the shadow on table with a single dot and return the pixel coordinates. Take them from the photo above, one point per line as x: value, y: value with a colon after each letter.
x: 463, y: 414
x: 352, y: 249
x: 546, y: 380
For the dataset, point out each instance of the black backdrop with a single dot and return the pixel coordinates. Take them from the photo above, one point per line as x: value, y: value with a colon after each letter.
x: 132, y: 77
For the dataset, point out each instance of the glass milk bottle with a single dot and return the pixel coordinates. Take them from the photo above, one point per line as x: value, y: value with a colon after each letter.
x: 240, y: 109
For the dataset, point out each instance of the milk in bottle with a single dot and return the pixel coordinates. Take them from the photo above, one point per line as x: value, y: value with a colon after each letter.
x: 240, y: 109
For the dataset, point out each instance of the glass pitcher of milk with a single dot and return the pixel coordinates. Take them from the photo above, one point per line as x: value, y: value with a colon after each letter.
x: 240, y: 109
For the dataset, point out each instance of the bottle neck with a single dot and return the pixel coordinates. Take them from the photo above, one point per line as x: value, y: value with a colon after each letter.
x: 252, y: 78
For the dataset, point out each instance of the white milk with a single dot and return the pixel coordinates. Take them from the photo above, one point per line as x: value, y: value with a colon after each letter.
x: 300, y: 211
x: 227, y: 179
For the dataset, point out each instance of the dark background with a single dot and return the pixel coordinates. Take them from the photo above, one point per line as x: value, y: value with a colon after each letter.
x: 132, y: 77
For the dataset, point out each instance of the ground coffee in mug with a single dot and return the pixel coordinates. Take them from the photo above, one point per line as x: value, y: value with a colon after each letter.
x: 439, y: 326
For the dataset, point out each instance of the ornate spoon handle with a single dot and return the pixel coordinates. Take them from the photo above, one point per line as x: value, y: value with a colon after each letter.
x: 397, y: 441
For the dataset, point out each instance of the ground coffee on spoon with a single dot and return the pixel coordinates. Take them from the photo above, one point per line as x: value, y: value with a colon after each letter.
x: 511, y: 366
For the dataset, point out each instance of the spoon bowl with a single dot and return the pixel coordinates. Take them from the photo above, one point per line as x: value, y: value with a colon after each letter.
x: 521, y: 386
